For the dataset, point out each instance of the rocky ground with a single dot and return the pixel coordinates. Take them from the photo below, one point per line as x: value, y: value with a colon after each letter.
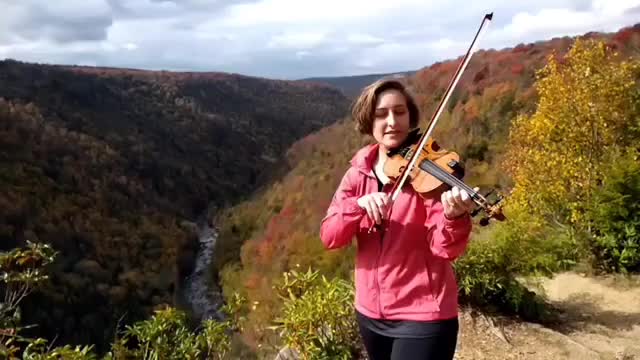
x: 599, y: 319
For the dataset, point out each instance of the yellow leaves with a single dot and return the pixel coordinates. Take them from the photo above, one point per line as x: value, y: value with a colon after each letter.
x: 554, y: 156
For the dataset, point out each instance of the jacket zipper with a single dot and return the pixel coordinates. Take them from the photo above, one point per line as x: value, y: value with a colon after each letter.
x: 382, y: 231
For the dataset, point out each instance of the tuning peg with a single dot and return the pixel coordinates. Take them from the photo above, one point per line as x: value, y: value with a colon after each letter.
x: 475, y: 211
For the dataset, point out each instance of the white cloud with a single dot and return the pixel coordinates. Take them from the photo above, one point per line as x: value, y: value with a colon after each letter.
x: 297, y: 40
x: 71, y: 9
x: 614, y: 8
x: 287, y: 38
x: 566, y: 21
x: 144, y: 9
x: 68, y: 21
x: 364, y: 39
x: 557, y: 21
x: 548, y: 20
x: 325, y: 12
x: 444, y: 44
x: 302, y: 53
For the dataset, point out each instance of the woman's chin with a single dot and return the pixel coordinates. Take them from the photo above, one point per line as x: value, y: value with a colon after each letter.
x: 391, y: 144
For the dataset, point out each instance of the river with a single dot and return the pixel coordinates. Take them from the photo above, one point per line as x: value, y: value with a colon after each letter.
x: 204, y: 295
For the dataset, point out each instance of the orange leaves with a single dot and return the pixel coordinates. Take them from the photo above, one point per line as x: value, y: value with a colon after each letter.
x: 447, y: 68
x: 287, y: 212
x: 275, y: 227
x: 296, y: 185
x: 481, y: 75
x: 503, y: 58
x: 623, y: 36
x: 275, y: 235
x: 265, y: 251
x: 252, y: 281
x: 522, y: 48
x: 517, y: 69
x: 498, y: 90
x: 626, y: 36
x: 471, y: 109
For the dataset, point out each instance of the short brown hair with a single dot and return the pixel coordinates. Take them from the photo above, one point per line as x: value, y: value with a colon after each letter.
x: 363, y: 108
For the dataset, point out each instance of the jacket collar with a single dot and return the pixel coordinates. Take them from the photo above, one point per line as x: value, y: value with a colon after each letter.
x: 364, y: 160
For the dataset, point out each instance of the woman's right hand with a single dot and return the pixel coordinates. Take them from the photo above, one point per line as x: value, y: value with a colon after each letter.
x: 376, y: 204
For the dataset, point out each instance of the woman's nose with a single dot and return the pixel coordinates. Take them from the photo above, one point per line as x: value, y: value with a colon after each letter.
x: 391, y: 119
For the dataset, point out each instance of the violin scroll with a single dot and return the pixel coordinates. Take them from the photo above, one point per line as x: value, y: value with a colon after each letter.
x: 492, y: 210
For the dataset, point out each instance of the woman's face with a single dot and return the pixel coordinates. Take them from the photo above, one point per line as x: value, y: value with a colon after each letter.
x: 391, y: 121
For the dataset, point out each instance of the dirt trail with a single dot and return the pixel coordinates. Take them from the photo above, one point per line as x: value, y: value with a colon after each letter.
x: 600, y: 319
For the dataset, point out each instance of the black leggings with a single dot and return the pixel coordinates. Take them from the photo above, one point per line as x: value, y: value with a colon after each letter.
x: 438, y: 347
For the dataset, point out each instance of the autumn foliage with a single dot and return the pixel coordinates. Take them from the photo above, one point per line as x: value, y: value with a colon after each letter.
x: 111, y: 166
x: 501, y: 86
x: 107, y: 164
x: 587, y: 122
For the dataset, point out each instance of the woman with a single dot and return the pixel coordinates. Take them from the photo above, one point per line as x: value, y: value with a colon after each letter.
x: 406, y: 292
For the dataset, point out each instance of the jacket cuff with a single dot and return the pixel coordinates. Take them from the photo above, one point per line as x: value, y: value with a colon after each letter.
x: 459, y: 222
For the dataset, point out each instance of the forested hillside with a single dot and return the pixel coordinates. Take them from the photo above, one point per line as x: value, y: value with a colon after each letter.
x: 111, y: 166
x: 351, y: 85
x: 278, y: 230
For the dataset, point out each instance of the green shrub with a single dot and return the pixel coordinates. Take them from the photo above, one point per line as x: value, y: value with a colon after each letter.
x: 488, y: 272
x: 614, y: 217
x: 21, y: 272
x: 166, y: 335
x: 317, y: 319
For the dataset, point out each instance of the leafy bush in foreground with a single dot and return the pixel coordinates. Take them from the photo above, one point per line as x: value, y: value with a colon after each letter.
x: 317, y: 319
x: 166, y: 335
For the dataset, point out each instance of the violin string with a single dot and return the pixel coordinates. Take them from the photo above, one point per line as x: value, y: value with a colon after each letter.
x: 433, y: 168
x: 440, y: 174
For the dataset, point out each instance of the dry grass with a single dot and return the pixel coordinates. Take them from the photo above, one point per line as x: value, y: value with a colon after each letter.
x: 599, y: 318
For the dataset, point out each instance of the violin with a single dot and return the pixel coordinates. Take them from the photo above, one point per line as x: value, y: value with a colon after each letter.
x: 430, y: 168
x: 438, y: 170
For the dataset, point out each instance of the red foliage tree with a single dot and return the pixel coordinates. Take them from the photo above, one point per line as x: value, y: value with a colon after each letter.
x: 517, y: 69
x: 623, y: 36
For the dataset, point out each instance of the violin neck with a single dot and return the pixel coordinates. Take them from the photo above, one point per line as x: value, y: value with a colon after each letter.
x: 442, y: 175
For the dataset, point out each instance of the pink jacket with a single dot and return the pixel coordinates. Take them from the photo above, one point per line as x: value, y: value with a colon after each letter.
x: 408, y: 273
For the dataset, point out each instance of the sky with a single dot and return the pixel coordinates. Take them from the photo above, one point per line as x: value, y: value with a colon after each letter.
x: 287, y: 39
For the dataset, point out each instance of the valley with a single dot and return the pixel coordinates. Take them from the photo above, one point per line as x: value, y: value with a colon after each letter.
x: 182, y: 189
x: 113, y: 167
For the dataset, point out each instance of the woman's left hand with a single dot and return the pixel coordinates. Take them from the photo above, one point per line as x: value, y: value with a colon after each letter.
x: 456, y: 202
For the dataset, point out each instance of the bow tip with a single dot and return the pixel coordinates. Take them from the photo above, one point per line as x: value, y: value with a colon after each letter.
x: 489, y: 16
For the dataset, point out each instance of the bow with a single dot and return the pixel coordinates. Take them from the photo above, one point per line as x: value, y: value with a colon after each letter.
x: 397, y: 186
x: 432, y: 123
